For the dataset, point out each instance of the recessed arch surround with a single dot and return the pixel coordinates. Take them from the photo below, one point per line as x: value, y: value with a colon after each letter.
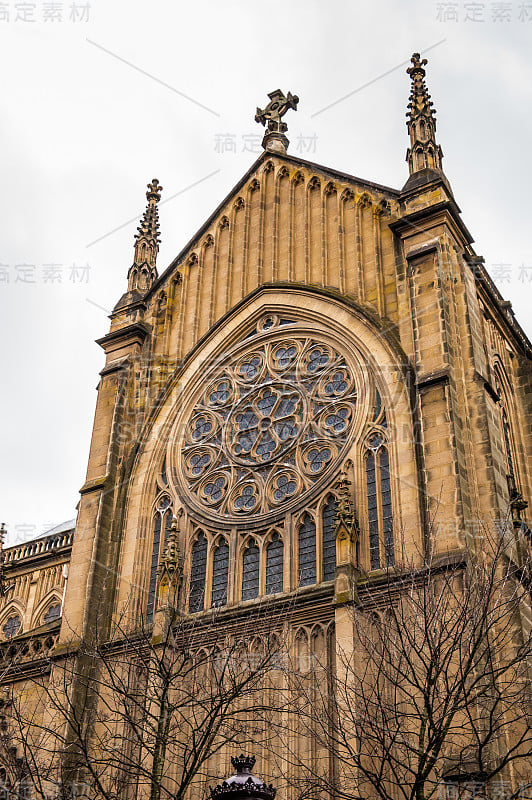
x: 374, y: 359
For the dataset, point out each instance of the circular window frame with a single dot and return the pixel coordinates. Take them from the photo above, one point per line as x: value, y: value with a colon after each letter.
x: 305, y: 332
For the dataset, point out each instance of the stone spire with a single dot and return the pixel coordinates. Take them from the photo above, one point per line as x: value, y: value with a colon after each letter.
x: 423, y: 152
x: 274, y: 138
x: 143, y: 271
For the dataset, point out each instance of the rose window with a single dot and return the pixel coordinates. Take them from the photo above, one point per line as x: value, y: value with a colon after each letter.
x: 271, y: 423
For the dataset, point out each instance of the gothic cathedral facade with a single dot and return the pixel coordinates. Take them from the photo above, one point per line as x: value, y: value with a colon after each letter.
x: 324, y: 385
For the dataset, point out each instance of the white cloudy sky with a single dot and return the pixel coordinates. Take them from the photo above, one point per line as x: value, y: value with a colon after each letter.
x: 83, y: 131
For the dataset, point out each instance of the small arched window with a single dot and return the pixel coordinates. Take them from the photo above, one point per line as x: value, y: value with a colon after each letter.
x: 220, y: 573
x: 250, y: 571
x: 328, y: 519
x: 198, y: 570
x: 12, y: 626
x: 507, y: 442
x: 274, y: 565
x: 307, y: 551
x: 162, y: 521
x: 379, y: 497
x: 53, y: 612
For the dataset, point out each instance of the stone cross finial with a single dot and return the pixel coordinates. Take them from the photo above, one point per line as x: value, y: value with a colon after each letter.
x: 418, y: 64
x: 154, y: 191
x: 274, y: 138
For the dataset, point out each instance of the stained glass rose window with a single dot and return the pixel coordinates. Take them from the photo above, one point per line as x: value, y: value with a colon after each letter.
x: 269, y: 425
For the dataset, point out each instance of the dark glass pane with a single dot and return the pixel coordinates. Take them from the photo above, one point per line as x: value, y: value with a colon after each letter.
x: 220, y: 571
x: 153, y: 567
x: 307, y: 552
x: 387, y: 513
x: 378, y: 406
x: 197, y: 574
x: 274, y: 565
x: 168, y: 524
x: 507, y: 442
x: 373, y: 519
x: 318, y: 359
x: 329, y: 539
x: 54, y: 612
x: 250, y: 572
x: 12, y: 627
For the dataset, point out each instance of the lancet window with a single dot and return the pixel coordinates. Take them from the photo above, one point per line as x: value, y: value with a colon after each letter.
x: 379, y: 503
x: 161, y: 527
x: 274, y: 565
x: 507, y: 425
x: 250, y: 571
x: 220, y: 574
x: 307, y: 551
x: 328, y: 532
x: 198, y: 570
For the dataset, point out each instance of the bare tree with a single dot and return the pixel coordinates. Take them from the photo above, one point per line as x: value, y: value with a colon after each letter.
x: 431, y: 696
x: 143, y: 712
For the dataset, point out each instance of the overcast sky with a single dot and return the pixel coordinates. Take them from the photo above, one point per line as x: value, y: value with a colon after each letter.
x: 97, y: 101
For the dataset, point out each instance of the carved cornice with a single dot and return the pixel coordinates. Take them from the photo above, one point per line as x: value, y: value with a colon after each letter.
x: 127, y: 336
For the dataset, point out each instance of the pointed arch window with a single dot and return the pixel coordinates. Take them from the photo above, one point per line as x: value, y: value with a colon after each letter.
x: 508, y: 429
x: 198, y: 570
x: 12, y: 626
x: 307, y: 551
x: 220, y: 574
x: 379, y: 498
x: 507, y: 443
x: 250, y: 571
x: 53, y: 612
x: 274, y: 565
x: 328, y: 522
x: 161, y: 528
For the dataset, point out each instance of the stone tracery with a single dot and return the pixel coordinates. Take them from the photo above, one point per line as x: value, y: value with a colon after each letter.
x: 276, y: 416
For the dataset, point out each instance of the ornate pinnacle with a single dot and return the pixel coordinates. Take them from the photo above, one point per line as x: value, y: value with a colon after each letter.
x: 170, y: 560
x: 345, y: 513
x: 4, y: 587
x: 423, y: 153
x: 169, y: 571
x: 274, y: 138
x: 144, y: 271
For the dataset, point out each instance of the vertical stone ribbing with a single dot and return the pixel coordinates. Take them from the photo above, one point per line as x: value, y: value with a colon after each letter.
x: 207, y: 281
x: 255, y: 201
x: 282, y: 265
x: 314, y: 232
x: 379, y: 283
x: 268, y: 226
x: 332, y: 258
x: 220, y: 301
x: 238, y: 248
x: 300, y: 248
x: 359, y: 205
